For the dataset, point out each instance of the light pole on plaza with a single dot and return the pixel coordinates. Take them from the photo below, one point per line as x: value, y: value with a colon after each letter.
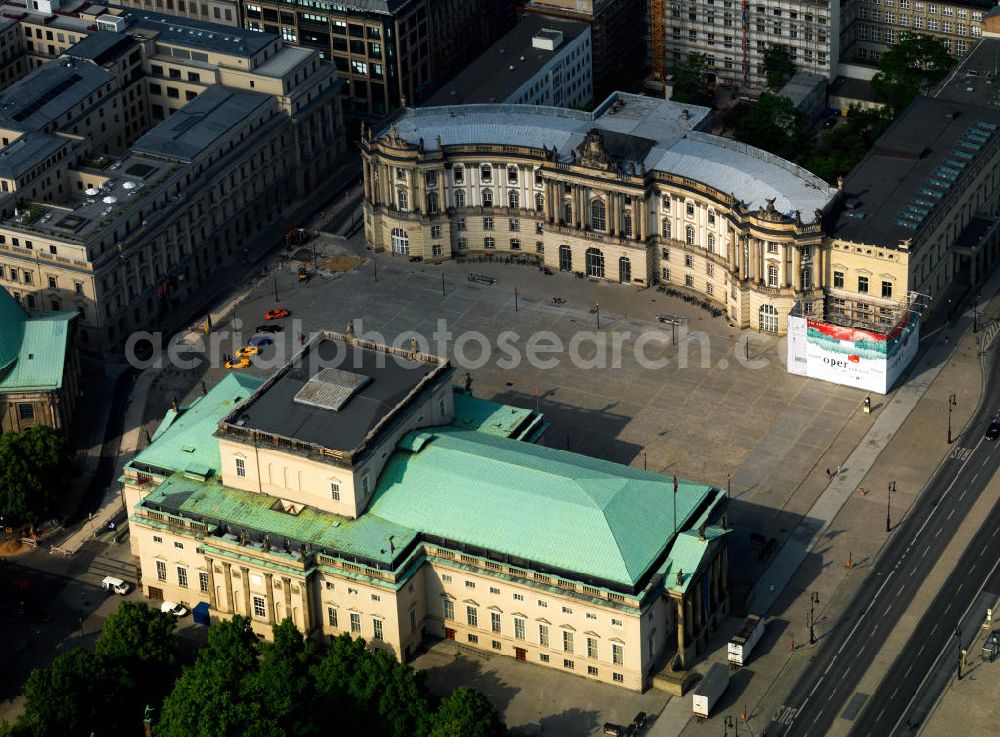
x: 813, y: 601
x: 888, y: 501
x: 952, y: 401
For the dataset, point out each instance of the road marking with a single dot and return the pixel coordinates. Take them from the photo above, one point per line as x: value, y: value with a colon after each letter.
x: 933, y: 629
x: 903, y: 586
x: 923, y: 554
x: 951, y: 513
x: 974, y: 477
x: 907, y: 674
x: 982, y: 552
x: 862, y: 649
x: 887, y: 609
x: 879, y: 717
x: 893, y: 694
x: 912, y: 572
x: 938, y: 533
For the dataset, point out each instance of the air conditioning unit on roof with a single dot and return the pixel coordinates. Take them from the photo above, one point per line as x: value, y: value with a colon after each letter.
x: 109, y: 22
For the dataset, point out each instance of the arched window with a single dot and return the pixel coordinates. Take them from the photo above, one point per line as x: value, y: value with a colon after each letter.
x: 568, y: 213
x: 458, y: 175
x: 624, y: 270
x: 689, y: 235
x: 666, y: 228
x: 772, y: 275
x: 711, y: 243
x: 627, y: 223
x: 598, y: 215
x: 513, y: 199
x: 485, y: 173
x: 768, y: 317
x: 539, y: 202
x: 595, y: 263
x: 400, y: 241
x: 512, y: 175
x: 459, y: 198
x: 487, y: 198
x: 565, y: 258
x: 402, y: 200
x: 432, y: 203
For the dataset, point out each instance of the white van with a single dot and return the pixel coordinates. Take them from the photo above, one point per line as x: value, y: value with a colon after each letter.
x: 110, y: 583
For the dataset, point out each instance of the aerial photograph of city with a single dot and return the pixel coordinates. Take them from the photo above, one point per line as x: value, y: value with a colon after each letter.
x: 495, y: 368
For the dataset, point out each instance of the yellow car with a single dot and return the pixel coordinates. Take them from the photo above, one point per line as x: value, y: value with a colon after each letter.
x: 248, y: 352
x: 238, y: 364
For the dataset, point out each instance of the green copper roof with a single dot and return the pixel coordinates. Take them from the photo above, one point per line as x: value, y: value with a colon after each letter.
x: 184, y: 440
x: 567, y: 511
x: 686, y: 555
x: 502, y: 420
x: 367, y: 537
x: 32, y: 347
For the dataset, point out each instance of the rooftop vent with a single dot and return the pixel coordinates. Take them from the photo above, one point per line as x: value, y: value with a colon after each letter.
x: 547, y: 39
x: 331, y: 389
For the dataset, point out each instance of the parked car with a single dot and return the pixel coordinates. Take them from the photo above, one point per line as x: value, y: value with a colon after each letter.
x: 248, y: 351
x: 278, y: 313
x: 993, y: 431
x: 269, y: 329
x: 116, y: 585
x: 260, y: 341
x: 238, y: 363
x: 169, y: 607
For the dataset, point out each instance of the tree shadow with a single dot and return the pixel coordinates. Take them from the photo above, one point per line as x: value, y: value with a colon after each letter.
x: 570, y: 723
x: 469, y: 670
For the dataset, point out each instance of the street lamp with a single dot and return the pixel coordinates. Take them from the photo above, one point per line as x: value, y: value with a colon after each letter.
x: 813, y: 601
x: 952, y: 401
x: 597, y: 309
x: 888, y: 501
x: 276, y: 297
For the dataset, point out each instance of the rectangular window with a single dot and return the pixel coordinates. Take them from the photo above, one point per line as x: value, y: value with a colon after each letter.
x: 487, y: 223
x: 449, y: 608
x: 376, y: 597
x: 157, y: 539
x: 435, y: 231
x: 241, y: 467
x: 472, y: 616
x: 376, y: 628
x: 862, y: 285
x: 331, y: 616
x: 518, y: 628
x: 591, y: 670
x: 543, y: 635
x: 203, y: 580
x: 259, y: 610
x: 838, y: 279
x: 567, y: 663
x: 514, y: 225
x: 617, y: 653
x: 335, y: 491
x: 518, y: 597
x: 446, y: 577
x: 474, y: 639
x: 161, y: 571
x: 355, y: 623
x: 567, y: 610
x: 494, y: 621
x: 618, y: 678
x: 592, y: 647
x: 494, y: 590
x: 179, y: 545
x: 496, y: 645
x: 470, y: 584
x: 567, y: 641
x: 887, y: 290
x: 615, y: 622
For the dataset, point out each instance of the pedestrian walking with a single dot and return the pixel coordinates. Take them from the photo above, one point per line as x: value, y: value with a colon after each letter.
x: 828, y: 474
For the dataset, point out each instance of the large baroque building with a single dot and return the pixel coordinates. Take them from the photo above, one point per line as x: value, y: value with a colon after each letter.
x: 632, y: 193
x: 357, y: 491
x: 141, y: 160
x: 388, y: 52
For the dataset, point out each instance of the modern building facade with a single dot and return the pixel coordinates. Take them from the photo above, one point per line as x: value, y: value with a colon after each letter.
x: 734, y: 35
x: 615, y: 33
x: 633, y: 193
x: 39, y: 368
x: 358, y: 491
x: 388, y: 52
x: 881, y: 23
x: 221, y: 12
x: 138, y: 163
x: 543, y: 61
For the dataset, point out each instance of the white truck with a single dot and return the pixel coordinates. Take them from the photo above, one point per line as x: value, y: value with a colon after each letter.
x: 709, y: 689
x: 745, y: 640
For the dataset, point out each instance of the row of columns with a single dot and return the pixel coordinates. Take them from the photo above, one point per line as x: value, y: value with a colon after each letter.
x: 691, y: 616
x: 228, y: 606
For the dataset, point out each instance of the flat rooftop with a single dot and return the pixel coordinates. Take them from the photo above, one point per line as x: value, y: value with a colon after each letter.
x: 657, y: 134
x: 48, y: 92
x: 506, y: 65
x: 911, y: 170
x: 336, y: 393
x: 101, y: 47
x: 976, y: 80
x: 172, y: 29
x: 287, y: 58
x: 197, y: 126
x: 24, y: 153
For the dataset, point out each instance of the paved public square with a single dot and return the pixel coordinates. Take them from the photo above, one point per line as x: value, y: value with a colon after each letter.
x: 723, y: 405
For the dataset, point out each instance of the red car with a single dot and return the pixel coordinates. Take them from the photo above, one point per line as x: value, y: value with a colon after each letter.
x: 276, y: 314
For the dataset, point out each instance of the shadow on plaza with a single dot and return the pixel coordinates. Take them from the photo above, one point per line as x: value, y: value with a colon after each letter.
x: 469, y: 668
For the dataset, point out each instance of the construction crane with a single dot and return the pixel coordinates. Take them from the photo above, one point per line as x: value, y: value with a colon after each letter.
x: 658, y: 38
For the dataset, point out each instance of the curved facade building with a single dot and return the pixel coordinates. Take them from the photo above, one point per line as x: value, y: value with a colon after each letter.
x: 633, y: 192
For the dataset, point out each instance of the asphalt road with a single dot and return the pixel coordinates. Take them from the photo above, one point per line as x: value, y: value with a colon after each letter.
x: 917, y: 541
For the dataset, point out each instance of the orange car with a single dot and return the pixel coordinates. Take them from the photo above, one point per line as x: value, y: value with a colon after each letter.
x: 276, y: 314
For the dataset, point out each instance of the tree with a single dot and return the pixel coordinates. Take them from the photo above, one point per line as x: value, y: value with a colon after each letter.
x: 913, y: 64
x: 840, y: 149
x: 283, y: 675
x: 778, y: 65
x: 692, y: 81
x: 77, y: 695
x: 35, y: 466
x: 467, y: 713
x: 140, y: 640
x: 771, y: 124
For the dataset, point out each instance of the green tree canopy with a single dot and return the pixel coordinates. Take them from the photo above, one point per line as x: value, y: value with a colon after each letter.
x: 911, y: 65
x: 778, y: 65
x: 772, y: 124
x: 840, y: 149
x: 35, y: 466
x: 74, y: 696
x: 467, y: 713
x: 140, y: 640
x: 692, y: 81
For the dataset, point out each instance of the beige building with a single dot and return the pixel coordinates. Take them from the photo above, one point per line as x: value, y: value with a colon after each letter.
x: 880, y: 23
x: 358, y: 491
x: 633, y: 193
x: 139, y: 162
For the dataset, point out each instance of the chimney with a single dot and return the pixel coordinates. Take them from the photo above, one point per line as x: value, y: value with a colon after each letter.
x: 840, y: 183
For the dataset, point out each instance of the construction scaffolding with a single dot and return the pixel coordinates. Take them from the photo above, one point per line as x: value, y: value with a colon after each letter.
x: 658, y: 38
